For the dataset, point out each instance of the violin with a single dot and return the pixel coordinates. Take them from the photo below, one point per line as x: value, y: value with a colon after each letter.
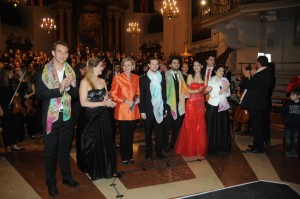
x: 29, y: 107
x: 241, y: 115
x: 17, y: 107
x: 15, y: 102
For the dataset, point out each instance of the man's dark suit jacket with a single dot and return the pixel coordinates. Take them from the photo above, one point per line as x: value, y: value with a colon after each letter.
x: 44, y: 94
x: 145, y: 94
x: 203, y: 72
x: 258, y: 89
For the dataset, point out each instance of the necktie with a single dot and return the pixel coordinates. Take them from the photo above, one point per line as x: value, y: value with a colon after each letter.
x: 207, y: 75
x: 176, y: 79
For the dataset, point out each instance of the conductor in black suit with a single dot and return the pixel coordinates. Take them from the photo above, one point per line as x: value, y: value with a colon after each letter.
x: 152, y: 106
x: 55, y: 87
x: 256, y: 100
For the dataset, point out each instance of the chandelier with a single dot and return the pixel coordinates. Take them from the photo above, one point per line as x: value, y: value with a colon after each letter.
x: 133, y: 28
x: 170, y: 9
x: 48, y: 25
x: 15, y: 2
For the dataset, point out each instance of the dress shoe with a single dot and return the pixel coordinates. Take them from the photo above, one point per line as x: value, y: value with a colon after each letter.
x: 52, y: 190
x: 167, y: 149
x: 161, y: 156
x: 125, y: 162
x: 16, y: 148
x: 71, y: 183
x: 148, y: 156
x: 254, y: 150
x: 131, y: 161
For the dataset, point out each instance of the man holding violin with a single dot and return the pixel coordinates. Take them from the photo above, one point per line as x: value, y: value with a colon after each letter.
x: 55, y: 86
x: 256, y: 99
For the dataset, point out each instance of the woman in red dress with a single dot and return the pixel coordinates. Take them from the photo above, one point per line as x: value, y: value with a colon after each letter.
x: 192, y: 139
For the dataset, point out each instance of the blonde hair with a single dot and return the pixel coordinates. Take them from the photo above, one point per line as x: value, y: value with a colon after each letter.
x: 90, y: 64
x: 128, y: 59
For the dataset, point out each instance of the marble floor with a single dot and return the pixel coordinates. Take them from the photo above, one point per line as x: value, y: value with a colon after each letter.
x: 22, y: 173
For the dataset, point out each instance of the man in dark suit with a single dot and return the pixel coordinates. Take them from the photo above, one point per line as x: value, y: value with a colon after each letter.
x: 256, y: 100
x: 55, y: 87
x: 209, y: 68
x: 177, y: 92
x: 152, y: 106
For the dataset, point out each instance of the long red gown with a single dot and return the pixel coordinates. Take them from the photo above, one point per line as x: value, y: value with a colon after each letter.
x: 192, y: 138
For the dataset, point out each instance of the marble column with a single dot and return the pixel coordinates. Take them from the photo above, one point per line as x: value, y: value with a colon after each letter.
x: 69, y: 27
x: 109, y: 31
x: 122, y: 33
x: 117, y: 32
x: 296, y: 41
x: 61, y: 29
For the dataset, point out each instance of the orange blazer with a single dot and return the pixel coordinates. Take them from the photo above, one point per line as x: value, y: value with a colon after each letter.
x: 123, y: 88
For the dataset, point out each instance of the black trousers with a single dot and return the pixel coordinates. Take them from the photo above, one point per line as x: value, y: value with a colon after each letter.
x: 10, y: 128
x: 126, y: 128
x: 57, y: 146
x: 150, y: 125
x: 175, y: 126
x: 259, y: 125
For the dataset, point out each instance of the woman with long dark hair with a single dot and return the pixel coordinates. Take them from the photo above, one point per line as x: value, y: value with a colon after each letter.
x: 6, y: 110
x: 96, y: 155
x: 192, y: 139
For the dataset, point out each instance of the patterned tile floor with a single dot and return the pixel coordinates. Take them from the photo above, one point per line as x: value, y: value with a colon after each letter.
x: 22, y: 173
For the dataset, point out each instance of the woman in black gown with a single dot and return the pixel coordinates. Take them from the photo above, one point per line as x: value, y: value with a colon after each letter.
x: 96, y: 155
x: 9, y: 119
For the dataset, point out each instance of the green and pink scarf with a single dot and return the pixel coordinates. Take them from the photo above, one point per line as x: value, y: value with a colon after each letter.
x: 50, y: 79
x: 171, y: 94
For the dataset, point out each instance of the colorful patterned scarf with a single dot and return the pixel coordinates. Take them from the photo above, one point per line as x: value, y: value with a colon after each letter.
x: 50, y: 79
x: 155, y: 89
x: 171, y: 94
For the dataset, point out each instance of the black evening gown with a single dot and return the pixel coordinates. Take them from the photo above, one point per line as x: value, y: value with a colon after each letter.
x: 96, y: 153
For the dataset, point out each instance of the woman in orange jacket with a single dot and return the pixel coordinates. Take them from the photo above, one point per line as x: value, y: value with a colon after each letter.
x: 125, y: 91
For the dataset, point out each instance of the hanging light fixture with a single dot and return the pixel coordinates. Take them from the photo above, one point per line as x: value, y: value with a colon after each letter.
x: 133, y: 28
x: 15, y: 2
x: 48, y: 25
x: 170, y: 9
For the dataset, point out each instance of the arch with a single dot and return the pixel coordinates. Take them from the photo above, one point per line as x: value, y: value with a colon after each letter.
x: 155, y: 24
x: 9, y: 14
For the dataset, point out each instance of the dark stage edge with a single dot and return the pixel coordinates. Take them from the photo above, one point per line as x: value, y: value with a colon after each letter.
x: 253, y: 190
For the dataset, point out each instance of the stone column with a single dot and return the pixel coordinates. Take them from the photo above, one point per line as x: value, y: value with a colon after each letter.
x: 122, y: 33
x: 296, y: 41
x: 109, y: 31
x: 117, y: 31
x: 69, y: 28
x: 61, y: 30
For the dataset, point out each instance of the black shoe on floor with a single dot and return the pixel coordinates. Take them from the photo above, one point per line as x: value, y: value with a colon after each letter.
x: 148, y: 156
x: 167, y: 149
x: 251, y: 146
x: 71, y: 183
x: 125, y: 162
x: 161, y: 156
x: 17, y: 148
x: 52, y: 190
x: 131, y: 161
x: 254, y: 150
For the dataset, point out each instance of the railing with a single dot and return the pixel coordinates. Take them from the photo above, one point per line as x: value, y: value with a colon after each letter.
x: 215, y: 8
